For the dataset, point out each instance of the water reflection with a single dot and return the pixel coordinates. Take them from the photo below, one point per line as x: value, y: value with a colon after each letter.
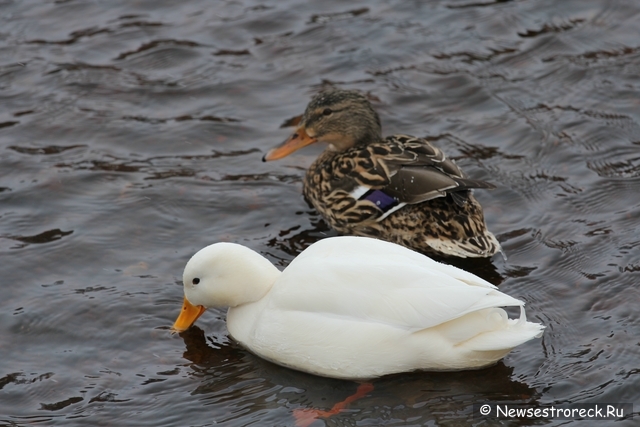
x: 44, y: 237
x: 294, y: 240
x: 228, y: 373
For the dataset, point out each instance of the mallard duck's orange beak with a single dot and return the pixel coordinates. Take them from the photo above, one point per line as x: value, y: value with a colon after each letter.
x: 188, y: 316
x: 299, y: 139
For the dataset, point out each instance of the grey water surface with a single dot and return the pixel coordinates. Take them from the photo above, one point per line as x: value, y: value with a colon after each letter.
x: 131, y: 135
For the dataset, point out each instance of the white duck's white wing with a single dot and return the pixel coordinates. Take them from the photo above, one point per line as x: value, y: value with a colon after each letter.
x: 362, y: 279
x: 344, y: 247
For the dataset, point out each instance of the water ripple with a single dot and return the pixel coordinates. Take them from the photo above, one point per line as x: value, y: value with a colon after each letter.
x: 131, y: 137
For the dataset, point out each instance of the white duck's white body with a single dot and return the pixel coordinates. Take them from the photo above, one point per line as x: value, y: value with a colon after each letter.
x: 357, y: 308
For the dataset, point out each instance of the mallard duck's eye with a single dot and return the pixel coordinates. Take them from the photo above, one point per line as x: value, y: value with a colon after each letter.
x: 327, y: 112
x: 195, y: 281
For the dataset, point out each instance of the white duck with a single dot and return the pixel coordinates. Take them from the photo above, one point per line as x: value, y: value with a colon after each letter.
x: 354, y: 308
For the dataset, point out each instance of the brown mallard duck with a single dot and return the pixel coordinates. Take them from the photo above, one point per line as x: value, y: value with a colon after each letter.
x: 401, y: 188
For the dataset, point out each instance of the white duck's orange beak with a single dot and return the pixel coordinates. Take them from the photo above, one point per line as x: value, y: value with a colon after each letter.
x: 299, y: 139
x: 188, y: 316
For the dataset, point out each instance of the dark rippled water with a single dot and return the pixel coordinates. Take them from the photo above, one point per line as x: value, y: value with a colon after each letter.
x: 131, y: 135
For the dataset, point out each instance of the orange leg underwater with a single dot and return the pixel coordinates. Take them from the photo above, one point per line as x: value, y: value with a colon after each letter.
x: 305, y: 417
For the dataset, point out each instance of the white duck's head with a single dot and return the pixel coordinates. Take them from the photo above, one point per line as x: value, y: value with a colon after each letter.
x: 223, y: 275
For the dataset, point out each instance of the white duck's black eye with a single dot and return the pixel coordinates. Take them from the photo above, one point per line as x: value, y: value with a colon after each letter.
x: 195, y: 281
x: 327, y: 112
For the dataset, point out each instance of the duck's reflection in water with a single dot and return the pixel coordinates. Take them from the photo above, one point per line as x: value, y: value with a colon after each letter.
x: 228, y: 372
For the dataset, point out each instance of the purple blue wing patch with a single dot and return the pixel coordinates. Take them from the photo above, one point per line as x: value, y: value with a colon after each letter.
x: 383, y: 201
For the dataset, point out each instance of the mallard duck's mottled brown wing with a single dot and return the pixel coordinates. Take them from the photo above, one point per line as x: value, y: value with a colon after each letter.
x: 416, y: 184
x: 406, y: 168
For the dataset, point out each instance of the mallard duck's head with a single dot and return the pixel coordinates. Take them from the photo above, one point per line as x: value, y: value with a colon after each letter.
x: 342, y: 118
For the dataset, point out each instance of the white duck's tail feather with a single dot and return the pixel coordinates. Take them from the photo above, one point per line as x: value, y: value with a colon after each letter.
x: 510, y: 335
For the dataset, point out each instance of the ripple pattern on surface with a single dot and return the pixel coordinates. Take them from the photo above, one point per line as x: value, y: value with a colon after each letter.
x: 131, y: 135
